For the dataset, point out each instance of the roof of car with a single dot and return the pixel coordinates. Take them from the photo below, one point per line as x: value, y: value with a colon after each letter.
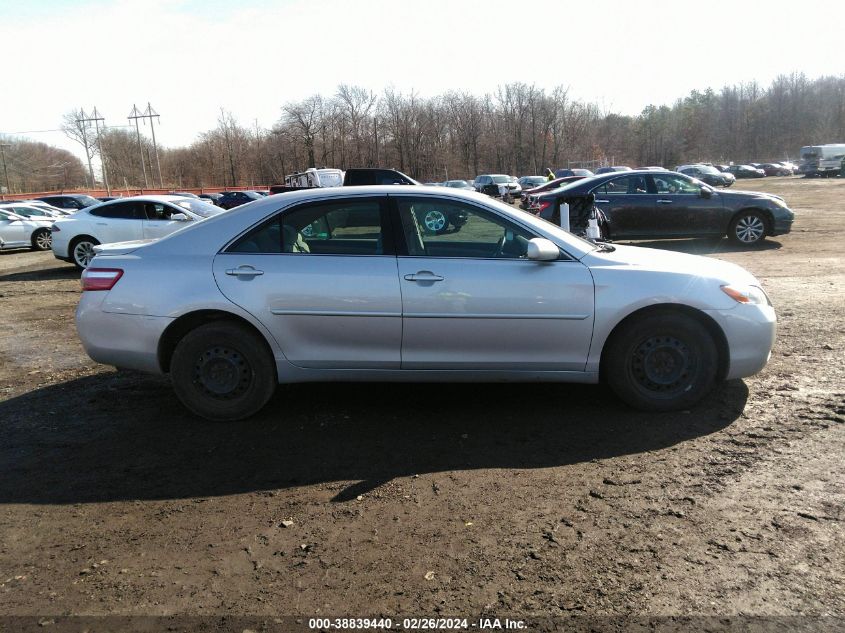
x: 147, y: 198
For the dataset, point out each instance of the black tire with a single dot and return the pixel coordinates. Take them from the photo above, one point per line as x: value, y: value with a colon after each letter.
x: 80, y: 248
x: 223, y: 372
x: 661, y: 362
x: 42, y: 240
x: 748, y: 228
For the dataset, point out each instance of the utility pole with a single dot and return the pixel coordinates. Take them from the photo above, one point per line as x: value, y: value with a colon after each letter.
x: 152, y: 113
x: 136, y: 114
x: 96, y: 118
x: 3, y: 147
x: 82, y: 120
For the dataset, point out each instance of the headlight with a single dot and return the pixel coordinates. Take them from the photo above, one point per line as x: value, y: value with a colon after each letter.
x: 747, y: 294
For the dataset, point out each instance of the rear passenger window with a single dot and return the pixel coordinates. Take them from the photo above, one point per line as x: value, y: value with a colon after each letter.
x: 626, y: 185
x: 336, y: 228
x: 119, y: 211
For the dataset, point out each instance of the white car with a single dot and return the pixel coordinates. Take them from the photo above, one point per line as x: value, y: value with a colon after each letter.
x: 31, y: 211
x: 17, y: 231
x: 124, y: 220
x: 49, y: 207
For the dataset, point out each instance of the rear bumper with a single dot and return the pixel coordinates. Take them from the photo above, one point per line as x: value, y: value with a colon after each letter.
x: 122, y: 340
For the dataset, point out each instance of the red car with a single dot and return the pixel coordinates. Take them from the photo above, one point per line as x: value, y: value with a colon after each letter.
x: 526, y: 201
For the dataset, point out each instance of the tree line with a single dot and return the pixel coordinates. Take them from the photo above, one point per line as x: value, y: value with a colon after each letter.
x: 517, y: 129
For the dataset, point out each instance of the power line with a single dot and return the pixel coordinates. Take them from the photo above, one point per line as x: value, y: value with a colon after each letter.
x: 104, y: 127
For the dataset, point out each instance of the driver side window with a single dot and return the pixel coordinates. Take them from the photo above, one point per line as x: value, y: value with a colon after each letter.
x: 443, y: 228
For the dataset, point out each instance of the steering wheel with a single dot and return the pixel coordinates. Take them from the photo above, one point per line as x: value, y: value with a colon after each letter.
x: 500, y: 246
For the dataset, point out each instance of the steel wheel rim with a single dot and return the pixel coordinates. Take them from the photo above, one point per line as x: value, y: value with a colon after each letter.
x: 435, y: 221
x: 663, y: 366
x: 749, y: 229
x: 83, y: 253
x: 44, y: 240
x: 222, y: 373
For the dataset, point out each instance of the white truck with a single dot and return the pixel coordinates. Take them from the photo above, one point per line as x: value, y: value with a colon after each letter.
x: 313, y: 177
x: 822, y: 160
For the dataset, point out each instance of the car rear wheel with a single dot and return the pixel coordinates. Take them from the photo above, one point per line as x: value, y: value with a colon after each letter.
x: 42, y: 240
x: 223, y: 372
x: 82, y: 251
x: 748, y: 228
x: 661, y: 362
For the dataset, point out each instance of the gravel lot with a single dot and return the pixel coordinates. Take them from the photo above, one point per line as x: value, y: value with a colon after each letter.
x: 367, y: 500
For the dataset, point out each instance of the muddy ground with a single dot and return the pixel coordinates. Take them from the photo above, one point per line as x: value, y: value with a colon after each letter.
x: 366, y: 500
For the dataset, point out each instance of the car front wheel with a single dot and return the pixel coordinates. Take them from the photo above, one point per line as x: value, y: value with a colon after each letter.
x: 748, y: 228
x: 223, y: 372
x: 661, y: 362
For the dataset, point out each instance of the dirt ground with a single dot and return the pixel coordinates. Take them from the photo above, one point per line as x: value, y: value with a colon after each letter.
x: 427, y: 500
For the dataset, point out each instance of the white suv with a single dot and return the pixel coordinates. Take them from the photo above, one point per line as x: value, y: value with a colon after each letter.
x: 503, y: 184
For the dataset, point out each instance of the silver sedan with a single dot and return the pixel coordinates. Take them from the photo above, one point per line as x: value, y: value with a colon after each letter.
x: 351, y: 284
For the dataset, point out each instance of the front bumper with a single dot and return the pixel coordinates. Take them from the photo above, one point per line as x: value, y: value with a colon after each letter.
x: 750, y: 331
x: 122, y: 340
x: 783, y: 224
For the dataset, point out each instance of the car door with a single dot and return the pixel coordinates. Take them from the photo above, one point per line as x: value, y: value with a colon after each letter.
x: 471, y: 300
x: 117, y: 222
x: 13, y: 231
x: 684, y: 208
x: 158, y: 222
x: 628, y: 203
x: 322, y: 279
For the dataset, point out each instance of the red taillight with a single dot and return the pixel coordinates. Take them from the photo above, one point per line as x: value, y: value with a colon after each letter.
x: 545, y: 204
x: 100, y: 278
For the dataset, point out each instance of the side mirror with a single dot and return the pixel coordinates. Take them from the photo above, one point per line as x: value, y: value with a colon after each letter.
x: 542, y: 250
x: 706, y: 192
x: 180, y: 217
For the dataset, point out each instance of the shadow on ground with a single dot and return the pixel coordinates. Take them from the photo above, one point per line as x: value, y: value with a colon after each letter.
x: 123, y: 435
x: 43, y: 274
x: 705, y: 246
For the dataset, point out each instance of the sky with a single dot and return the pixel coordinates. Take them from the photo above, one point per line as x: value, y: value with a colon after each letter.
x: 190, y: 58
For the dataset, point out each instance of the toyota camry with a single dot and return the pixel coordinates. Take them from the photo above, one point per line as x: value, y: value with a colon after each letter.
x: 348, y: 284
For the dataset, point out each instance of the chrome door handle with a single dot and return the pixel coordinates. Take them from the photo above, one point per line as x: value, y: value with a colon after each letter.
x: 602, y: 201
x: 423, y: 275
x: 244, y: 271
x: 664, y: 201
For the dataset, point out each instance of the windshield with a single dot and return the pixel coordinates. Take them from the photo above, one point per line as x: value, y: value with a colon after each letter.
x: 198, y: 207
x: 706, y: 169
x: 457, y: 183
x: 87, y: 200
x: 501, y: 179
x: 330, y: 178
